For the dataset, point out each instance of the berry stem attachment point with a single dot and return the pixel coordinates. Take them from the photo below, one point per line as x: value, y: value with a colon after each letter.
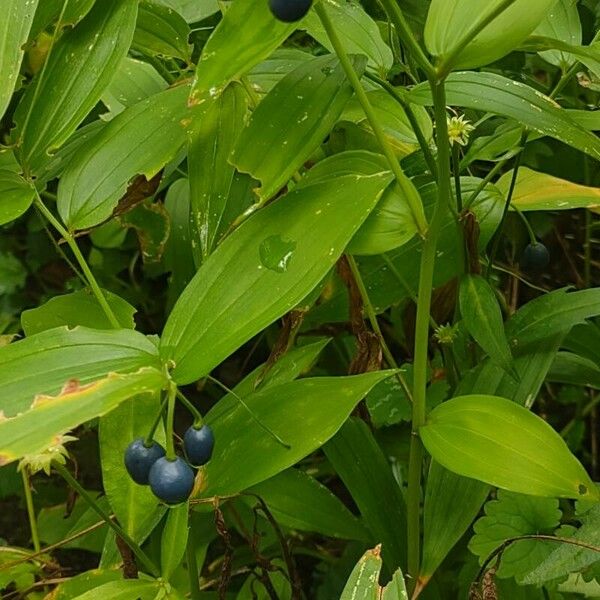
x: 198, y: 420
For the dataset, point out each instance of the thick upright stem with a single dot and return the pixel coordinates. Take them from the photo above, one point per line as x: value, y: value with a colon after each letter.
x: 422, y: 332
x: 404, y: 183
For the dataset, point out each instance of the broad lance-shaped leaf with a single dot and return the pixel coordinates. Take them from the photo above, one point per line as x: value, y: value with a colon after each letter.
x: 134, y: 505
x: 174, y: 539
x: 501, y: 443
x: 363, y: 583
x: 494, y: 93
x: 213, y: 194
x: 125, y: 589
x: 483, y: 319
x: 81, y: 65
x: 288, y: 247
x: 43, y: 363
x: 37, y: 429
x: 14, y: 28
x: 448, y: 21
x: 138, y: 141
x: 247, y: 454
x: 16, y: 196
x: 539, y: 191
x: 300, y: 502
x: 292, y: 121
x: 247, y: 34
x: 357, y: 31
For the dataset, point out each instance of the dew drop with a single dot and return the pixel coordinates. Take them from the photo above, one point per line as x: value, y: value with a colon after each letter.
x: 275, y: 253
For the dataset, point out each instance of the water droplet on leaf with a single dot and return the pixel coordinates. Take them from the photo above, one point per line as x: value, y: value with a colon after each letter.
x: 275, y: 253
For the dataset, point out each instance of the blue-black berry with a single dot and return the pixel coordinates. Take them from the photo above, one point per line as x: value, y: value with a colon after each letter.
x: 289, y: 11
x: 198, y: 445
x: 535, y: 257
x: 172, y: 481
x: 139, y: 459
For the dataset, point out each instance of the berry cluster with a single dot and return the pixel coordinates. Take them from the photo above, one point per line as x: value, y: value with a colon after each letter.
x: 171, y: 481
x: 289, y: 11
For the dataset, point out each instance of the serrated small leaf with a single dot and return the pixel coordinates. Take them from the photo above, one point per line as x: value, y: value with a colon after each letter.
x: 501, y: 443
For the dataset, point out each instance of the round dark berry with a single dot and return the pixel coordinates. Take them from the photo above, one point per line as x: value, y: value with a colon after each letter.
x: 198, y: 445
x: 172, y: 481
x: 289, y: 11
x: 139, y: 459
x: 535, y: 257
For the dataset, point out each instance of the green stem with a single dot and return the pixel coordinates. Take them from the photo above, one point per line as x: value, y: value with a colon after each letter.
x: 422, y: 332
x: 162, y: 70
x: 493, y: 172
x: 405, y: 34
x: 446, y: 63
x: 429, y: 158
x: 192, y: 566
x: 530, y: 231
x: 372, y: 316
x: 404, y: 183
x: 139, y: 553
x: 35, y: 538
x: 172, y: 392
x: 249, y: 411
x: 198, y: 420
x: 150, y: 437
x: 456, y: 173
x: 68, y: 237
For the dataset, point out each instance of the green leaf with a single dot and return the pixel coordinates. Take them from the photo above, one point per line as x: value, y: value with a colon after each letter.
x: 512, y: 515
x: 246, y: 454
x: 366, y: 473
x: 561, y: 23
x: 357, y: 31
x: 300, y: 502
x: 573, y: 369
x: 14, y: 30
x: 193, y: 10
x: 43, y: 363
x: 48, y: 12
x: 289, y: 246
x: 451, y: 503
x: 496, y: 94
x: 80, y: 66
x: 136, y: 508
x: 12, y: 273
x: 139, y: 141
x: 133, y: 82
x: 16, y: 196
x: 126, y: 589
x: 247, y: 34
x: 89, y: 580
x: 268, y: 73
x: 483, y: 319
x: 174, y: 539
x: 363, y: 583
x: 78, y: 308
x: 214, y: 203
x: 449, y: 21
x: 36, y: 429
x: 501, y: 443
x: 161, y: 30
x: 539, y: 191
x: 292, y: 121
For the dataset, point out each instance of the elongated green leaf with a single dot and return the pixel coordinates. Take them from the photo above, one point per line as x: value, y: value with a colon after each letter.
x: 43, y: 363
x: 139, y: 141
x: 247, y: 34
x: 539, y: 191
x: 451, y: 503
x: 292, y: 121
x: 365, y: 471
x: 37, y: 429
x: 213, y: 201
x: 136, y: 508
x: 299, y: 501
x: 573, y: 369
x: 448, y: 21
x: 174, y: 539
x: 561, y: 23
x: 288, y: 248
x: 78, y: 308
x: 126, y: 589
x: 245, y: 454
x: 357, y: 31
x: 193, y: 10
x: 363, y: 583
x: 16, y: 196
x: 483, y: 319
x: 501, y: 443
x: 80, y: 67
x: 268, y: 73
x: 588, y: 55
x: 14, y: 30
x: 161, y: 30
x: 494, y: 93
x: 48, y: 12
